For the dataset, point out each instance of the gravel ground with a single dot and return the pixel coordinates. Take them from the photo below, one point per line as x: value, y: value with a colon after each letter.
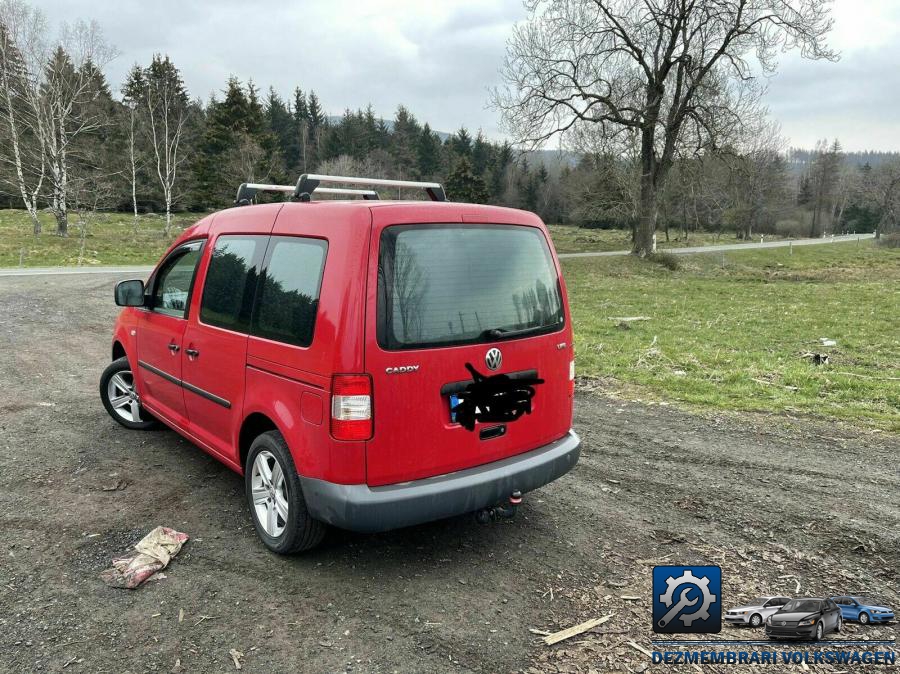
x: 776, y: 502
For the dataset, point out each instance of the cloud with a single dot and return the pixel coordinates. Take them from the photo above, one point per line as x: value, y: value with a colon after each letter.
x: 440, y: 58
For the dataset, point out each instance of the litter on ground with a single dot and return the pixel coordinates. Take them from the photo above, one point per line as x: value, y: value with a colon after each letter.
x: 152, y: 553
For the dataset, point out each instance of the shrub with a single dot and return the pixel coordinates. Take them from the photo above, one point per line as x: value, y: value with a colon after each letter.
x: 792, y: 228
x: 667, y: 260
x: 891, y: 240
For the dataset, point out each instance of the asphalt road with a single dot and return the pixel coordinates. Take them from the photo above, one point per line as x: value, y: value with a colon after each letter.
x: 784, y: 506
x: 143, y: 271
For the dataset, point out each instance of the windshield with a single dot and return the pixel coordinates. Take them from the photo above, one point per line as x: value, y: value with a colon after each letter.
x: 867, y: 601
x: 442, y: 285
x: 802, y: 606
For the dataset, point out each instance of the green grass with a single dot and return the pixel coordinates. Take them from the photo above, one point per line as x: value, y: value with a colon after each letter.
x: 733, y: 337
x: 110, y: 240
x: 571, y: 239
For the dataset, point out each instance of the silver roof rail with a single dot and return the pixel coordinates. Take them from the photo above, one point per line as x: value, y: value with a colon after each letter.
x: 309, y: 183
x: 248, y: 191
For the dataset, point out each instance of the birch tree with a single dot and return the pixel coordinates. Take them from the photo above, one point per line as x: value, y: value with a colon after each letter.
x: 66, y: 92
x: 21, y: 52
x: 671, y: 73
x: 166, y: 105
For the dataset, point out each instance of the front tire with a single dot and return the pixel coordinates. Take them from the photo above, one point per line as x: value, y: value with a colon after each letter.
x: 820, y: 631
x: 864, y: 618
x: 755, y: 620
x: 275, y: 497
x: 840, y: 624
x: 120, y: 398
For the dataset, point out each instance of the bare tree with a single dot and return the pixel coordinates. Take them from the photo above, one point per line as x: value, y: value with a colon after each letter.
x: 21, y: 53
x: 67, y: 88
x: 886, y: 193
x: 672, y: 73
x: 167, y: 109
x: 758, y: 180
x: 132, y: 160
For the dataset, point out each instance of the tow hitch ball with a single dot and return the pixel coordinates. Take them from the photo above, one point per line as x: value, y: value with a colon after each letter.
x: 501, y: 511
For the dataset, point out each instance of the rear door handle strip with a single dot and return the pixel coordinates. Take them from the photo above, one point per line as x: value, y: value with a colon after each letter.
x: 185, y: 385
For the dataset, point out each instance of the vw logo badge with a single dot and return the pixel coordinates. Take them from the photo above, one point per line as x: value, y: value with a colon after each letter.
x: 783, y: 623
x: 493, y: 358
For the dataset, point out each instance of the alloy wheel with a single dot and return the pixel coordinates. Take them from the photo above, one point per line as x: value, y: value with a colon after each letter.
x: 123, y: 396
x: 269, y: 489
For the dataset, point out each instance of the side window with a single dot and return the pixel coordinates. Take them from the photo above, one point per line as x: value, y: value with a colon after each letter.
x: 172, y: 286
x: 231, y: 281
x: 289, y: 294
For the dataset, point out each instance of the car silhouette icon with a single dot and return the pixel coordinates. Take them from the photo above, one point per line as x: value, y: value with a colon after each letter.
x: 863, y: 609
x: 755, y: 611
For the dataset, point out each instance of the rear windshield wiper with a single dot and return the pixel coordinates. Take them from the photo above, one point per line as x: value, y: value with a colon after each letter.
x: 502, y: 333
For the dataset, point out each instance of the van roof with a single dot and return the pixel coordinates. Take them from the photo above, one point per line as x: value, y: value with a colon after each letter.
x: 421, y: 211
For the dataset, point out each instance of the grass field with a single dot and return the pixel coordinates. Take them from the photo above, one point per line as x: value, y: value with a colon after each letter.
x: 725, y: 338
x: 110, y: 239
x: 734, y: 337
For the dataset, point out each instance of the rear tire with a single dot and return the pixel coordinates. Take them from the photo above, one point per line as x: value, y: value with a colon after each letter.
x: 120, y: 398
x: 275, y: 497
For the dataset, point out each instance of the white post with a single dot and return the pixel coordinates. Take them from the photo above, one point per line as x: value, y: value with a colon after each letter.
x: 790, y: 247
x: 654, y: 242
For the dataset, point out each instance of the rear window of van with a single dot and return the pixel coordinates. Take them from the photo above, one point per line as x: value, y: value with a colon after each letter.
x: 445, y: 285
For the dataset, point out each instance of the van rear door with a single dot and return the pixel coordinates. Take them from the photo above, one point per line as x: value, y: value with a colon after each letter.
x: 446, y: 296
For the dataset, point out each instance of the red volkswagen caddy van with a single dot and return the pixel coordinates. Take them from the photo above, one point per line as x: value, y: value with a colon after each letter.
x: 364, y: 364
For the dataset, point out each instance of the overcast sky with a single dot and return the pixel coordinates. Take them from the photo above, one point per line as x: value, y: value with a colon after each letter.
x: 440, y: 57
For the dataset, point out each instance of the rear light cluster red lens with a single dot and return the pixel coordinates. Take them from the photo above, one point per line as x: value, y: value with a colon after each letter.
x: 572, y: 377
x: 351, y: 407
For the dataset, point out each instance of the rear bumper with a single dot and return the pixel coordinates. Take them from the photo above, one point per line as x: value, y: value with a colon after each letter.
x: 358, y: 507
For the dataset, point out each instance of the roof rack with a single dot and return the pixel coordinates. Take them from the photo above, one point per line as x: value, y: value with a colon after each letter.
x: 309, y: 183
x: 247, y: 191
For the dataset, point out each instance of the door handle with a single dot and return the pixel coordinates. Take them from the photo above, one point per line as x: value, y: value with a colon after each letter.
x: 174, y: 348
x: 192, y: 353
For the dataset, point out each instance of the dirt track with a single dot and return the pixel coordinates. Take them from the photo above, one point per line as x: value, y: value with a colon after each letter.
x: 763, y: 497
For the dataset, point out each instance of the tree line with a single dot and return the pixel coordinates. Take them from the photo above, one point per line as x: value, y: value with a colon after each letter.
x: 72, y: 142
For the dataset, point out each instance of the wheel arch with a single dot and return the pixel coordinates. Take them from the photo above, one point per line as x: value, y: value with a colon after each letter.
x: 254, y: 425
x: 118, y: 351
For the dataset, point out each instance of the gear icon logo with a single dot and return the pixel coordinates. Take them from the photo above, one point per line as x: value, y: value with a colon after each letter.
x: 687, y: 599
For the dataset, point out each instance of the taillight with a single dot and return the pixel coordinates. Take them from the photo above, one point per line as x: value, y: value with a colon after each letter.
x: 351, y: 407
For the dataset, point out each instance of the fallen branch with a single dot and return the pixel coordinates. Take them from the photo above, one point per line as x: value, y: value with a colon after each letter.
x: 769, y: 383
x: 640, y: 648
x: 628, y: 319
x: 866, y: 376
x: 575, y: 630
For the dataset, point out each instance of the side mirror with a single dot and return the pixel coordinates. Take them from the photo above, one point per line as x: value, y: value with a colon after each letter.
x: 130, y: 293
